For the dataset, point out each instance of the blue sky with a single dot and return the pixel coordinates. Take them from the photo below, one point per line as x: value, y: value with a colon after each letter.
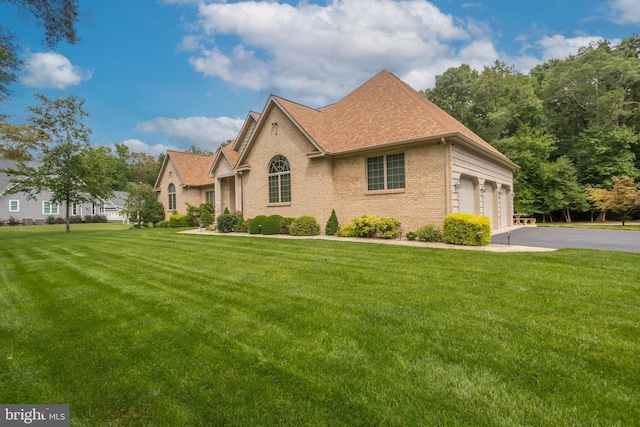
x: 160, y: 75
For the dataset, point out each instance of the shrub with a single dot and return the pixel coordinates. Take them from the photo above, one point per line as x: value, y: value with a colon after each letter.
x: 162, y: 224
x: 332, y: 224
x: 272, y: 224
x: 411, y: 235
x: 60, y: 220
x: 75, y: 219
x: 256, y: 224
x: 13, y: 222
x: 466, y: 229
x: 243, y: 227
x: 206, y: 218
x: 371, y: 226
x: 100, y: 218
x: 388, y: 227
x: 428, y: 233
x: 347, y: 231
x: 285, y: 226
x: 1, y: 222
x: 49, y: 220
x: 227, y: 223
x: 305, y: 226
x: 365, y: 226
x: 178, y: 220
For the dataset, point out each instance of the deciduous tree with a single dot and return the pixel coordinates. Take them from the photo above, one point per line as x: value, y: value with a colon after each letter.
x: 70, y: 168
x: 623, y: 199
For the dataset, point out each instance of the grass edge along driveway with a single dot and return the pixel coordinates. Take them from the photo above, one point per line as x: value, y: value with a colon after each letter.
x: 148, y: 327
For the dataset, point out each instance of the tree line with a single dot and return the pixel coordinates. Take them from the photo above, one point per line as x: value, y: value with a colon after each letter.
x: 572, y: 125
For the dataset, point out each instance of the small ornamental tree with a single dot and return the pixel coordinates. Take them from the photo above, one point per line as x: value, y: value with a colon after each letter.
x: 332, y: 224
x: 622, y: 200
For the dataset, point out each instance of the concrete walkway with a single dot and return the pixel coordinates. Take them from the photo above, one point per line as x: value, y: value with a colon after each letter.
x: 492, y: 247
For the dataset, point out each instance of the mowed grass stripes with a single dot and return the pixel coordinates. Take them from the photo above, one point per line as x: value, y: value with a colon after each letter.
x: 150, y: 327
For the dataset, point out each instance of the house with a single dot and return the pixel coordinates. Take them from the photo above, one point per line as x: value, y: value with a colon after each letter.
x: 28, y: 211
x: 382, y: 150
x: 184, y: 179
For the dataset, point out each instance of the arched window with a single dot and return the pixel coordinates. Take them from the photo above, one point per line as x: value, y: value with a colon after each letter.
x: 172, y: 197
x: 279, y: 180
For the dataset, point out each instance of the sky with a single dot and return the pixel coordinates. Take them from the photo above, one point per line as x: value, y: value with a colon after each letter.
x: 170, y: 74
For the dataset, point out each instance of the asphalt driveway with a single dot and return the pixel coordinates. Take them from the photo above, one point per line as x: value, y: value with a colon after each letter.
x: 579, y: 238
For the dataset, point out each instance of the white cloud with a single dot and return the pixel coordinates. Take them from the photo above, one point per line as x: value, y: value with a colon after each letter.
x: 52, y: 70
x: 625, y: 11
x: 137, y: 146
x: 204, y: 132
x: 333, y: 46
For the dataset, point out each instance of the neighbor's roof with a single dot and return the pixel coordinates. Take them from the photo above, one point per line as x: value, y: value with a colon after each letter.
x: 5, y: 180
x: 192, y: 168
x: 384, y: 110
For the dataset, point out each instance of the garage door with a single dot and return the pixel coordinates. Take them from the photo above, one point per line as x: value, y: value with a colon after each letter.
x: 489, y: 194
x: 504, y: 208
x: 466, y: 196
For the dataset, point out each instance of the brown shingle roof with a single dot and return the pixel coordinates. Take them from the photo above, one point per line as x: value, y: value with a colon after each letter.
x: 193, y: 168
x: 231, y: 154
x: 384, y: 110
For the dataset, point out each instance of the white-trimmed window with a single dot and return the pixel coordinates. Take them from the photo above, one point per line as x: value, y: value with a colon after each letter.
x: 172, y: 197
x: 49, y: 208
x: 385, y: 172
x: 279, y: 180
x: 14, y: 205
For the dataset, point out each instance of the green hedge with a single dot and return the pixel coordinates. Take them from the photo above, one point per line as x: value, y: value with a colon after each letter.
x: 466, y: 229
x: 305, y: 226
x: 272, y: 225
x: 256, y: 224
x: 179, y: 220
x: 371, y: 226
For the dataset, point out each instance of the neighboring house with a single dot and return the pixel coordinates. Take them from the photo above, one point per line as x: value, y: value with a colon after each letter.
x: 382, y: 150
x: 183, y: 179
x: 29, y: 211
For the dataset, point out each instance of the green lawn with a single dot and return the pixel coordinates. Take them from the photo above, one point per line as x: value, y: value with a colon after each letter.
x: 154, y: 328
x: 629, y: 226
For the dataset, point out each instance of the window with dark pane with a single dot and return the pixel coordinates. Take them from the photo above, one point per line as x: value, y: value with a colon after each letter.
x: 375, y: 173
x: 395, y: 171
x: 279, y: 180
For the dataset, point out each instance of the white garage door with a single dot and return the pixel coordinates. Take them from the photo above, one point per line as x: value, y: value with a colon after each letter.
x: 466, y: 196
x: 489, y: 194
x: 504, y: 208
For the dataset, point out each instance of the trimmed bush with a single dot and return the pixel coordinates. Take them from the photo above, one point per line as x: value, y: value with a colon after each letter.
x: 256, y: 224
x: 428, y: 233
x: 305, y: 226
x: 272, y: 225
x: 227, y: 223
x: 411, y: 235
x: 365, y: 226
x: 162, y: 224
x: 371, y: 226
x: 178, y: 220
x: 13, y: 222
x: 332, y: 224
x: 285, y: 226
x: 388, y: 227
x: 466, y: 229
